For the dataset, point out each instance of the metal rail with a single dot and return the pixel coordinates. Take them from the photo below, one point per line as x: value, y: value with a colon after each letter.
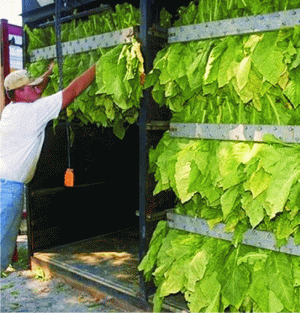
x: 240, y: 132
x: 86, y: 44
x: 102, y: 8
x: 252, y: 237
x: 235, y: 26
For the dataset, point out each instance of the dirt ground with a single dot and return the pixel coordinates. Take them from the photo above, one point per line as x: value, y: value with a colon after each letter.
x: 22, y: 290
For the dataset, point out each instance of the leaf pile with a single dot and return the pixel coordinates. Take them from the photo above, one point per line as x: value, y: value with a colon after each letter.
x: 123, y: 16
x: 235, y: 79
x: 113, y: 99
x: 244, y: 185
x: 249, y: 79
x: 119, y: 75
x: 201, y: 11
x: 214, y: 276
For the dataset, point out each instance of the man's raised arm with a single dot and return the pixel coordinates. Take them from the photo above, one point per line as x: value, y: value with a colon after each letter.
x: 77, y: 86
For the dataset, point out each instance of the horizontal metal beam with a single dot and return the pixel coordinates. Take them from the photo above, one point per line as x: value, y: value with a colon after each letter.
x: 239, y: 132
x: 102, y: 8
x: 158, y: 125
x: 236, y: 26
x: 34, y: 14
x: 252, y: 237
x: 86, y: 44
x: 53, y: 191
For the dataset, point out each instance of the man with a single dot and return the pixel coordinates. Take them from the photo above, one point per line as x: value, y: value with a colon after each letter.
x: 22, y: 132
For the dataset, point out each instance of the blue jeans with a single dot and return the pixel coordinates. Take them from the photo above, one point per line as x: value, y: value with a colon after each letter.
x: 11, y: 207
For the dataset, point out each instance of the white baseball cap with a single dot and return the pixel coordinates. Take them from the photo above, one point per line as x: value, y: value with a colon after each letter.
x: 20, y: 78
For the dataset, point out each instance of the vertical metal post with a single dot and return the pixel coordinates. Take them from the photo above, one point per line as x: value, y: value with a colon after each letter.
x: 147, y: 13
x: 142, y: 185
x: 26, y: 57
x: 143, y: 151
x: 59, y: 54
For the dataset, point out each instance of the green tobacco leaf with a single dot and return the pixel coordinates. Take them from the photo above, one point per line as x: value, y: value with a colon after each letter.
x: 278, y: 113
x: 269, y: 158
x: 108, y: 68
x: 196, y: 68
x: 243, y: 71
x: 196, y: 269
x: 206, y: 295
x: 267, y: 59
x: 251, y: 90
x: 183, y: 170
x: 203, y: 154
x: 258, y: 290
x: 228, y: 200
x: 279, y: 278
x: 265, y: 299
x: 175, y: 66
x: 214, y: 60
x: 292, y: 90
x: 196, y: 178
x: 274, y: 303
x: 244, y: 152
x: 174, y: 279
x: 284, y: 228
x: 149, y: 261
x: 157, y: 301
x: 285, y: 174
x: 109, y: 108
x: 212, y: 291
x: 182, y: 177
x: 234, y: 280
x: 151, y: 78
x: 254, y: 208
x: 164, y: 260
x: 163, y: 161
x: 228, y: 165
x: 171, y: 89
x: 119, y: 129
x: 182, y: 248
x: 196, y: 300
x: 259, y: 182
x: 175, y: 103
x: 296, y: 270
x: 227, y: 59
x: 254, y: 257
x: 296, y: 62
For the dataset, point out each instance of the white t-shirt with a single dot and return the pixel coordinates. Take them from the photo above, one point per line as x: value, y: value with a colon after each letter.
x: 22, y: 133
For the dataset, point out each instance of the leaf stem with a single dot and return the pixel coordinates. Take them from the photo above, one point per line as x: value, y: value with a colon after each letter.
x: 274, y: 108
x: 240, y: 111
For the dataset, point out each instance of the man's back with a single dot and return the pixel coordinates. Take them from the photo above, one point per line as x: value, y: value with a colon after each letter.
x: 22, y: 134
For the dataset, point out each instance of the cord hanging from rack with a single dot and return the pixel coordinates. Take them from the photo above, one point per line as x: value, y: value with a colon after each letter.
x: 69, y: 174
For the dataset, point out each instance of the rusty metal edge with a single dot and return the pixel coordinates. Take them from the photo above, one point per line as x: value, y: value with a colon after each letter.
x: 116, y: 298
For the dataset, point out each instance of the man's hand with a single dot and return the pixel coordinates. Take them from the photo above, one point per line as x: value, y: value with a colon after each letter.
x: 50, y: 70
x: 42, y: 86
x: 51, y: 66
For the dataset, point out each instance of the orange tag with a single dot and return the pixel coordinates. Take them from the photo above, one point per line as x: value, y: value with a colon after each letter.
x: 69, y: 178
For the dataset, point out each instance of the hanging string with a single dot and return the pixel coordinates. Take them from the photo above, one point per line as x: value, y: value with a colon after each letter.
x: 69, y: 175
